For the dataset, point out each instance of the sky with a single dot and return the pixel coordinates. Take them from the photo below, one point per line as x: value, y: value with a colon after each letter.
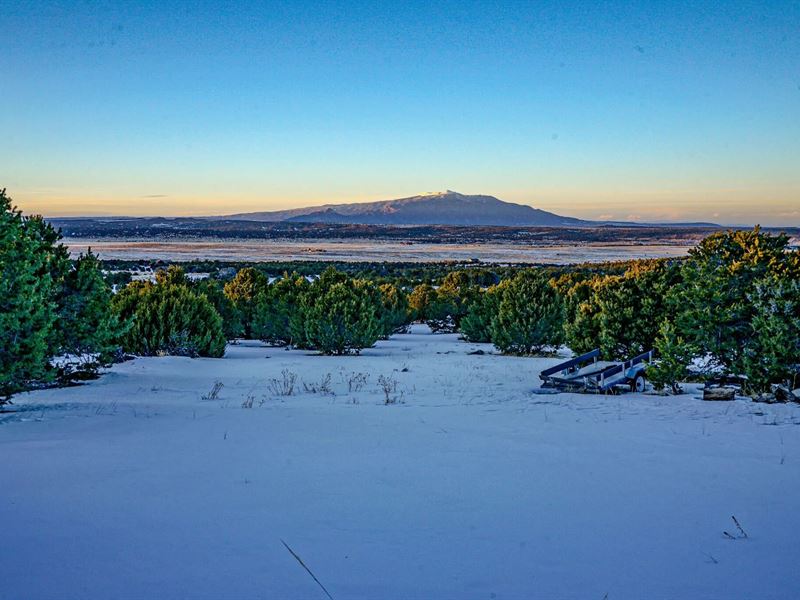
x: 667, y: 111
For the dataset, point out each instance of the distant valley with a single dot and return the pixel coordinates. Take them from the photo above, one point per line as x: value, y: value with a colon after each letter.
x: 441, y: 226
x: 437, y: 208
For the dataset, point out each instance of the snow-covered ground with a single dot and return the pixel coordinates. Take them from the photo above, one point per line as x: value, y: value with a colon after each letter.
x: 135, y: 486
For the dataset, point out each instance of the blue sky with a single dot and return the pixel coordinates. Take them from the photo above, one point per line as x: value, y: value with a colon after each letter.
x: 637, y: 110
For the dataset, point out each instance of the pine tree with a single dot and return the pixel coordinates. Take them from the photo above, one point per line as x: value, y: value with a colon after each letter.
x: 434, y: 308
x: 231, y: 319
x: 172, y: 275
x: 632, y: 307
x: 455, y: 295
x: 530, y: 316
x: 714, y: 310
x: 243, y: 291
x: 30, y: 261
x: 774, y: 354
x: 341, y: 315
x: 674, y: 355
x: 169, y: 319
x: 582, y: 326
x: 276, y: 317
x: 476, y: 326
x: 394, y: 310
x: 87, y: 324
x: 420, y: 299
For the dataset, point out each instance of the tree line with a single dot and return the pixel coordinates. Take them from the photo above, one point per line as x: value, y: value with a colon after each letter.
x: 731, y: 307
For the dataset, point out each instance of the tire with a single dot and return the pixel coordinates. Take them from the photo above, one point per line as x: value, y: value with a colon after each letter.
x: 638, y: 383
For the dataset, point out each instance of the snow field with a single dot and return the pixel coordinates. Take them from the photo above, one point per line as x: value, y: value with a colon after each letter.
x: 468, y: 486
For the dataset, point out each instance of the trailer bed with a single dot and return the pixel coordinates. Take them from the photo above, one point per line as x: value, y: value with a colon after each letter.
x: 586, y: 373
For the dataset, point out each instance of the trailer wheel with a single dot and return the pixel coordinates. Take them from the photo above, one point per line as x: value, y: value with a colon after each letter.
x: 638, y: 383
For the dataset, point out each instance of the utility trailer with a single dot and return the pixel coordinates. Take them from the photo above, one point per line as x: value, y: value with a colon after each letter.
x: 586, y: 373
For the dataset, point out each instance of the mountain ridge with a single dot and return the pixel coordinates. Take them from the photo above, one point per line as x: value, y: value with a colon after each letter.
x: 436, y: 208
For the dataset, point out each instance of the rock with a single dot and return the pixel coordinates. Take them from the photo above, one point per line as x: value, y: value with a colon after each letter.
x: 782, y: 393
x: 719, y: 393
x: 477, y: 352
x: 765, y: 397
x: 796, y: 395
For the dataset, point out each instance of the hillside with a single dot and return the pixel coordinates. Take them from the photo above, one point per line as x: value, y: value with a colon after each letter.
x: 138, y: 485
x: 440, y: 208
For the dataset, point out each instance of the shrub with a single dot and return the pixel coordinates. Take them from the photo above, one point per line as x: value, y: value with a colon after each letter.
x: 231, y: 319
x: 31, y: 265
x: 673, y: 359
x: 476, y: 326
x: 633, y: 307
x: 276, y: 317
x: 774, y: 354
x: 456, y: 294
x: 394, y: 316
x: 582, y: 321
x: 87, y: 324
x: 435, y: 309
x: 169, y: 319
x: 242, y: 291
x: 340, y: 315
x: 620, y: 314
x: 720, y: 312
x: 530, y: 315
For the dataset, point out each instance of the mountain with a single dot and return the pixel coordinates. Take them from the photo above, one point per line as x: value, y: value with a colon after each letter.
x: 439, y: 208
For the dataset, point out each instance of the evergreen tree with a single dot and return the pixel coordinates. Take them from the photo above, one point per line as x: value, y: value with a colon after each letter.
x: 582, y: 326
x: 231, y: 319
x: 169, y: 319
x: 420, y: 299
x: 774, y: 354
x: 476, y: 326
x: 714, y: 310
x: 530, y: 315
x: 455, y: 295
x: 632, y: 307
x: 674, y: 357
x: 172, y: 275
x: 434, y: 308
x: 394, y: 310
x: 31, y: 263
x: 243, y: 291
x: 276, y: 319
x: 341, y: 315
x: 87, y: 324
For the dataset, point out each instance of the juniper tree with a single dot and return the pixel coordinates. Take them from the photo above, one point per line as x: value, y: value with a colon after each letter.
x: 632, y: 308
x: 530, y: 315
x: 31, y: 266
x: 87, y: 324
x: 774, y: 354
x: 394, y: 315
x: 231, y: 320
x: 714, y: 308
x: 476, y: 325
x: 456, y: 294
x: 674, y: 358
x: 341, y: 315
x: 434, y: 308
x: 169, y: 319
x: 242, y: 291
x: 276, y: 318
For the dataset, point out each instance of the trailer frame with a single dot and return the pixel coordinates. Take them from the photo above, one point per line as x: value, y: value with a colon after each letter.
x: 587, y: 374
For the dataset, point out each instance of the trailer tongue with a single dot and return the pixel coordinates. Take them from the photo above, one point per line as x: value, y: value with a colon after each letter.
x: 586, y: 373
